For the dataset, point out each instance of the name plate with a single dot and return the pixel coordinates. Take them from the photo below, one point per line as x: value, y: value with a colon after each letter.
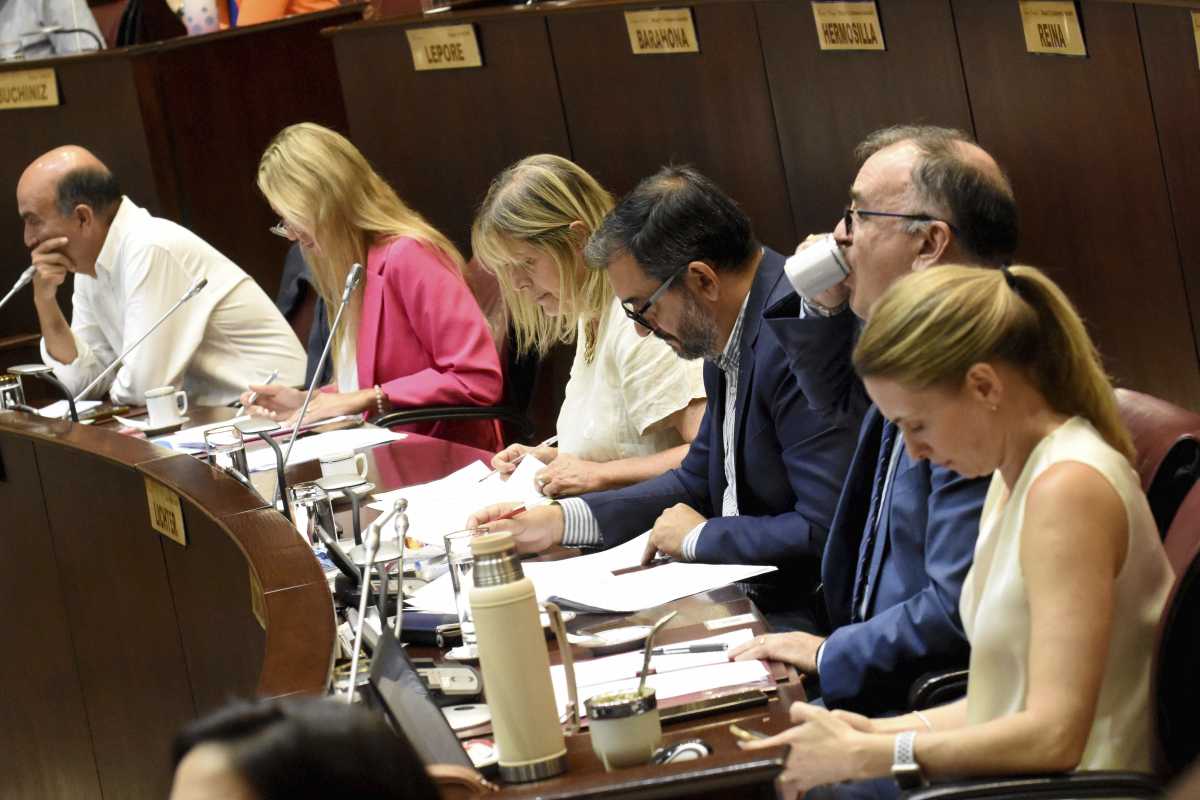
x: 668, y: 30
x: 444, y: 47
x: 1052, y: 28
x: 29, y: 88
x: 258, y: 603
x: 166, y: 515
x: 848, y: 26
x: 1196, y: 31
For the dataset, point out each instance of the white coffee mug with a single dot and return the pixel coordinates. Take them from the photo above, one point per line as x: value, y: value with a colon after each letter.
x: 344, y: 463
x: 818, y: 267
x: 166, y: 406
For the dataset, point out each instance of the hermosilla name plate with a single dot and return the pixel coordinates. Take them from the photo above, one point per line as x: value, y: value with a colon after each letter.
x: 848, y: 25
x: 664, y: 30
x: 28, y: 88
x: 1052, y: 27
x: 444, y: 47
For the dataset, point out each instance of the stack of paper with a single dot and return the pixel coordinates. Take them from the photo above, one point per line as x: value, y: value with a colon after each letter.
x: 672, y: 676
x: 59, y: 409
x: 311, y: 448
x: 588, y: 583
x: 442, y: 506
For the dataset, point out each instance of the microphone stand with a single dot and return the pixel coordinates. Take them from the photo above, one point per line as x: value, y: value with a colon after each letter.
x: 46, y: 373
x: 371, y: 544
x: 192, y: 292
x: 21, y: 283
x: 356, y: 272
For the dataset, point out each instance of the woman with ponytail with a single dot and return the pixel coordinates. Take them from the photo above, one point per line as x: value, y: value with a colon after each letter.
x: 992, y: 372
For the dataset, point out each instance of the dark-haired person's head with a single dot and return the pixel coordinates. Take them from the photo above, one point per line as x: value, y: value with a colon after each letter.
x: 681, y: 257
x: 924, y: 195
x: 67, y: 199
x: 296, y: 749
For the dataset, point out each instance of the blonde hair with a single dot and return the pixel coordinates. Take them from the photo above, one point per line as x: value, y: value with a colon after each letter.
x: 535, y: 201
x: 931, y: 326
x: 317, y: 179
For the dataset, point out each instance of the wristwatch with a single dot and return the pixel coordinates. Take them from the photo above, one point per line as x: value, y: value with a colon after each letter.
x: 905, y: 769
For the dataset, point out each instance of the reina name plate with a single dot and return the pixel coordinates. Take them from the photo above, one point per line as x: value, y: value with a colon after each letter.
x: 444, y: 47
x: 1052, y: 28
x: 28, y: 88
x: 848, y: 25
x: 668, y: 30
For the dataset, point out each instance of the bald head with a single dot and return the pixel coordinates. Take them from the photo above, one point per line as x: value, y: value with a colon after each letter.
x: 953, y: 176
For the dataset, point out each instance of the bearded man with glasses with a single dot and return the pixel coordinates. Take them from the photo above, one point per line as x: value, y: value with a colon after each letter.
x: 760, y: 480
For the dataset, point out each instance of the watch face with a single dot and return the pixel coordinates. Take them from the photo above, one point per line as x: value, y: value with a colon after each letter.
x: 907, y: 776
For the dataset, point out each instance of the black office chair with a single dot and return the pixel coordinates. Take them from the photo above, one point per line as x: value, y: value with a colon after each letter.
x: 1175, y: 693
x: 1167, y: 440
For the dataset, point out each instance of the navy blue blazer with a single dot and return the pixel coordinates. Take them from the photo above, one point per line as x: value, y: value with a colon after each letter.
x: 929, y: 524
x: 790, y: 463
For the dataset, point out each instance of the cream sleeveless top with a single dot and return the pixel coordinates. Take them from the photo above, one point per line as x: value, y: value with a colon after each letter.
x: 995, y: 608
x: 631, y: 383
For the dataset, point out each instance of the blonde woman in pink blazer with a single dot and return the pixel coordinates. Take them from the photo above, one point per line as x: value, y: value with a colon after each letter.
x: 413, y: 334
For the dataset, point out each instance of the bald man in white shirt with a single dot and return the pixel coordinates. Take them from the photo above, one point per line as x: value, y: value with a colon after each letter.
x: 130, y: 268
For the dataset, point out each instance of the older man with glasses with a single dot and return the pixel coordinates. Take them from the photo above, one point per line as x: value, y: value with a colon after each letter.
x: 759, y: 483
x: 904, y: 533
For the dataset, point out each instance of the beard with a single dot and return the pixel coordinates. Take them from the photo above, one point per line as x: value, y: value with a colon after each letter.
x: 697, y: 336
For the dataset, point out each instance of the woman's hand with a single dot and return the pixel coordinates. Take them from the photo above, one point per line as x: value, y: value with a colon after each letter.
x: 272, y: 400
x: 827, y: 747
x: 798, y: 649
x: 567, y: 476
x: 505, y: 462
x: 283, y: 403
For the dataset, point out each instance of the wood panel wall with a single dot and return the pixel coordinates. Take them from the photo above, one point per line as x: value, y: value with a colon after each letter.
x: 1102, y: 150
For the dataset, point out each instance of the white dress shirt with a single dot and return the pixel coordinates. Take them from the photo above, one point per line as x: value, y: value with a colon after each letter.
x: 227, y: 336
x: 22, y: 23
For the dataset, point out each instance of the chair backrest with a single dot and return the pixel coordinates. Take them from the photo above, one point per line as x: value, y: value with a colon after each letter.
x: 1176, y: 690
x: 1167, y: 440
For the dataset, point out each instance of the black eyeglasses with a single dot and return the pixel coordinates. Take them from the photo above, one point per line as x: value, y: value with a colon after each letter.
x: 639, y: 315
x: 848, y: 218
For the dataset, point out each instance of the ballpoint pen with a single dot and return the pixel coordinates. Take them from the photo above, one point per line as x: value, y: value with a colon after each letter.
x: 679, y: 650
x: 517, y: 460
x: 254, y: 395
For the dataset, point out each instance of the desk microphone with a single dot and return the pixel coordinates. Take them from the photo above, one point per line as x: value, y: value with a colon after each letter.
x: 23, y: 281
x: 192, y: 291
x: 371, y: 541
x: 352, y: 281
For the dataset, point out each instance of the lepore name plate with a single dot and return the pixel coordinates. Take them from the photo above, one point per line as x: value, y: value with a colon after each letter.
x: 444, y: 47
x: 666, y: 30
x: 848, y: 26
x: 1052, y: 27
x: 28, y: 88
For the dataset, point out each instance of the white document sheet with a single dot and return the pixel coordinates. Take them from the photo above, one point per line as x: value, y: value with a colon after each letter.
x: 59, y: 409
x: 442, y: 506
x: 674, y: 676
x: 588, y: 581
x: 313, y: 447
x: 191, y: 440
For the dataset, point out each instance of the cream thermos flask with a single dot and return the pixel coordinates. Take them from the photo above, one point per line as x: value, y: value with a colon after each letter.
x: 515, y: 664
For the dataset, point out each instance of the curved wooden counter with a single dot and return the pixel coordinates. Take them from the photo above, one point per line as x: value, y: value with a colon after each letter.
x: 116, y: 635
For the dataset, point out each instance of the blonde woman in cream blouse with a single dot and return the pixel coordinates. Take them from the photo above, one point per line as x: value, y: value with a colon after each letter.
x: 992, y: 371
x: 632, y: 405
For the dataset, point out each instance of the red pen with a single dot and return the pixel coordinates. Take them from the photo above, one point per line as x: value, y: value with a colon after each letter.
x: 509, y: 514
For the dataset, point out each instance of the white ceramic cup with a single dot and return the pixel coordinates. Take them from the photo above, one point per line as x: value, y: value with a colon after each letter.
x: 344, y: 463
x: 166, y: 406
x: 818, y: 267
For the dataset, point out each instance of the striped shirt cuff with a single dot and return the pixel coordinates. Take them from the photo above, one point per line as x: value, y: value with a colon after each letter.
x: 580, y: 528
x: 688, y: 549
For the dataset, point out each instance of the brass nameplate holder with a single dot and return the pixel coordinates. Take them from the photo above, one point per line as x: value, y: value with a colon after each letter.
x: 1052, y: 27
x: 848, y: 26
x: 444, y: 47
x: 166, y: 515
x: 28, y: 88
x: 661, y: 31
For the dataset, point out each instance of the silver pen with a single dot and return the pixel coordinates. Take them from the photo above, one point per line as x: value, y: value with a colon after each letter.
x: 254, y: 395
x: 517, y: 460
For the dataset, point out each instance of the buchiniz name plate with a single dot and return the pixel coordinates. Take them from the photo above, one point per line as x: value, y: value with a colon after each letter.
x: 848, y: 25
x: 28, y: 88
x: 444, y: 47
x: 1052, y: 28
x: 668, y: 30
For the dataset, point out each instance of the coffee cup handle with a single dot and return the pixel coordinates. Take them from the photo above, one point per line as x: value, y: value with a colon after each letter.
x: 360, y: 465
x: 181, y: 396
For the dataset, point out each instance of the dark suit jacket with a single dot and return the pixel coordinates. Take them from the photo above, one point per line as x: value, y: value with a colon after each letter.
x: 790, y: 463
x: 929, y: 524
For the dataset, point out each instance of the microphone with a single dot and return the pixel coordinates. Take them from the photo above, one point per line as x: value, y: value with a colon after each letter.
x: 371, y: 542
x: 23, y: 281
x: 352, y: 281
x: 192, y: 291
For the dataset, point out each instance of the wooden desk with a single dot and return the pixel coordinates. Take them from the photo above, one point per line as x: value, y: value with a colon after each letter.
x: 116, y: 636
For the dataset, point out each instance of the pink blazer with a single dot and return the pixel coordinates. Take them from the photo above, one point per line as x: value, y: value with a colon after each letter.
x: 424, y: 341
